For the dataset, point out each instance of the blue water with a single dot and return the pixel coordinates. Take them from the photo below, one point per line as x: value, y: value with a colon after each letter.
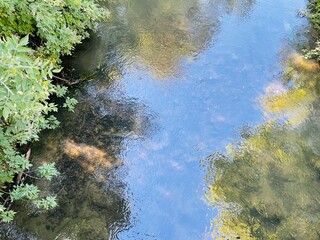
x: 198, y: 113
x: 195, y: 99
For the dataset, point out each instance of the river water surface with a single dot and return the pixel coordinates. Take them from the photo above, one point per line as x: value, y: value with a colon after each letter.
x: 169, y: 82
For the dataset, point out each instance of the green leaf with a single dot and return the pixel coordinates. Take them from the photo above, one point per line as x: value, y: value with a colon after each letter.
x: 70, y: 103
x: 47, y: 171
x: 47, y: 203
x: 7, y: 216
x: 5, y: 113
x: 24, y: 41
x: 57, y: 70
x: 27, y: 191
x: 2, y: 208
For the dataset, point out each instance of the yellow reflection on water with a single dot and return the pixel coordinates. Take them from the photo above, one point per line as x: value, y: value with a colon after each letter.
x: 293, y: 101
x: 266, y: 185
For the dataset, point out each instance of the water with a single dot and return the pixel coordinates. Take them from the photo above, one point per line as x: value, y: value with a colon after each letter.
x: 169, y: 82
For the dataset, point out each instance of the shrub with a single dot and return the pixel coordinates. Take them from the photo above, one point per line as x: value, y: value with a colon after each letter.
x: 34, y: 34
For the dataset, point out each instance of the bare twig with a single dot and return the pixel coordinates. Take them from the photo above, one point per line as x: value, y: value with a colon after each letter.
x: 66, y: 80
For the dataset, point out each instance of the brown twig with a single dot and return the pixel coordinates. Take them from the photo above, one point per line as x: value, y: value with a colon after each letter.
x: 66, y: 80
x: 20, y: 175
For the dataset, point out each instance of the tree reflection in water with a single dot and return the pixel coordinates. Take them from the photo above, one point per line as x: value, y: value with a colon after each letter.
x: 155, y: 35
x: 267, y: 184
x: 150, y: 35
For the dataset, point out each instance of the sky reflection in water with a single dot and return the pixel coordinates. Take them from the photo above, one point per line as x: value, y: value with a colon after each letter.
x: 185, y: 75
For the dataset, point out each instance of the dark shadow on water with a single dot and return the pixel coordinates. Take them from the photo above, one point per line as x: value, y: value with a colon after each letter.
x: 86, y: 149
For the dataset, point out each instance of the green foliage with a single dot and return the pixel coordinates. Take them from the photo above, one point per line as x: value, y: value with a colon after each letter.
x: 15, y: 18
x: 70, y: 103
x: 27, y: 191
x: 61, y: 91
x: 7, y: 216
x: 34, y: 34
x: 313, y: 15
x: 31, y: 192
x: 47, y: 171
x: 60, y: 24
x: 314, y: 53
x: 24, y: 90
x: 47, y: 203
x: 11, y: 161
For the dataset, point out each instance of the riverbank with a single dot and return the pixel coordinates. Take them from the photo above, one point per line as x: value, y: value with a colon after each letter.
x: 34, y: 35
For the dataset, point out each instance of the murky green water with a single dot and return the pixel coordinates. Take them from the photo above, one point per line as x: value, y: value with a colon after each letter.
x: 169, y: 82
